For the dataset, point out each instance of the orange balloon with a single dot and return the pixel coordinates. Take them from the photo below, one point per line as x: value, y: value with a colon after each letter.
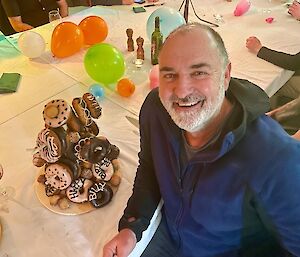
x: 94, y: 28
x: 67, y: 39
x: 125, y: 87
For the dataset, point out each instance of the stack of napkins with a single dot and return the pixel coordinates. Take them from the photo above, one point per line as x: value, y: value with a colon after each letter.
x: 9, y: 82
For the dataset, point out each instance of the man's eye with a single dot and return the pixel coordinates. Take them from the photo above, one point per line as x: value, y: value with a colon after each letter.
x: 169, y: 76
x: 199, y: 73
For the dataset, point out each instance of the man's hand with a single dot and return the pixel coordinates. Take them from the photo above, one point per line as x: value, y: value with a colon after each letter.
x: 121, y: 245
x: 253, y: 44
x: 294, y: 10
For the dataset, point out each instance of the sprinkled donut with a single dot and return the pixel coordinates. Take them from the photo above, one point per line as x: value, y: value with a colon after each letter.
x: 58, y: 175
x: 77, y: 192
x: 100, y: 194
x: 58, y: 112
x: 103, y: 170
x: 50, y: 190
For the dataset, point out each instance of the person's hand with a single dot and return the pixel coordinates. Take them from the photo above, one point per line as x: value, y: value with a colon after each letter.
x: 127, y: 2
x: 121, y: 245
x: 294, y: 10
x: 25, y: 27
x: 253, y: 44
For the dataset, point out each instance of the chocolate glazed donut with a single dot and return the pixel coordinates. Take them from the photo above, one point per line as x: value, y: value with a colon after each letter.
x: 97, y: 148
x: 100, y: 194
x: 75, y: 168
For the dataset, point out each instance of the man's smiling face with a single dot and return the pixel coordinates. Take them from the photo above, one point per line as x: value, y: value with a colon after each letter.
x: 192, y: 78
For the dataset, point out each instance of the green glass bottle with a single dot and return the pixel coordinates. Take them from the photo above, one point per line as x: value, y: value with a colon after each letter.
x: 156, y: 42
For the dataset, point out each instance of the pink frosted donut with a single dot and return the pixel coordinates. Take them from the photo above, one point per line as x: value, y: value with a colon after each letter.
x: 77, y: 192
x: 51, y: 144
x: 56, y: 113
x: 58, y: 175
x: 103, y: 170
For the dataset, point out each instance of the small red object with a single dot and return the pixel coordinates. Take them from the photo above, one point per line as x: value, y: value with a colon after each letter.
x: 269, y: 20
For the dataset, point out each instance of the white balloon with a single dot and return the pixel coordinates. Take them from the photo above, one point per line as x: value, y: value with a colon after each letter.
x: 31, y: 44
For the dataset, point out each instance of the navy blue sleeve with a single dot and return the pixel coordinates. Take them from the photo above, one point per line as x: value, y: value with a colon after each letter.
x: 146, y: 195
x: 280, y: 199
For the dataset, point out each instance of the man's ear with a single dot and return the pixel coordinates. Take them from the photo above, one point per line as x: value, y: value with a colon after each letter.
x: 227, y: 76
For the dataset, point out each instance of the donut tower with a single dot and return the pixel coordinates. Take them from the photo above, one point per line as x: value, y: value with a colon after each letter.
x: 79, y: 165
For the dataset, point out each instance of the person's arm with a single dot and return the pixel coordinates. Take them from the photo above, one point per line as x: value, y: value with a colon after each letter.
x: 13, y: 13
x: 144, y: 199
x: 283, y: 60
x: 18, y: 25
x: 278, y: 203
x: 146, y: 194
x: 63, y: 8
x: 294, y: 10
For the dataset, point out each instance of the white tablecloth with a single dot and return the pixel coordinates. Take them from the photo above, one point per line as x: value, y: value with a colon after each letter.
x: 29, y: 229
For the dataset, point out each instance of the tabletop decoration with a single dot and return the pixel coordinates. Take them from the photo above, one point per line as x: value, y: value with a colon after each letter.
x: 94, y: 28
x: 97, y: 90
x: 269, y: 20
x: 67, y: 39
x: 169, y: 18
x: 31, y: 44
x: 125, y: 87
x: 154, y: 76
x: 79, y: 168
x: 104, y: 63
x: 242, y: 7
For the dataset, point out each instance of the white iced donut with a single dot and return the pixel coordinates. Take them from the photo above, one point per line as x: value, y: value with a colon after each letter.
x: 77, y: 192
x: 58, y: 175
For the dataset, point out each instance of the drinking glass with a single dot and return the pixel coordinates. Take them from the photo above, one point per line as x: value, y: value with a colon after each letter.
x: 54, y: 17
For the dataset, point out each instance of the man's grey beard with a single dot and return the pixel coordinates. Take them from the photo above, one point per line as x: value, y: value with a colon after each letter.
x: 193, y: 121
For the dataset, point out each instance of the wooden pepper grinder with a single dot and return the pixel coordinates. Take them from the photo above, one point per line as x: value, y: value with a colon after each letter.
x: 130, y: 43
x: 140, y: 49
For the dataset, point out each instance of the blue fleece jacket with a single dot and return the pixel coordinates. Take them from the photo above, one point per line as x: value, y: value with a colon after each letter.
x: 241, y: 200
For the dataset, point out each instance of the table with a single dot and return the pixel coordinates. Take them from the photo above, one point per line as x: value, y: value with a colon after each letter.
x: 29, y: 229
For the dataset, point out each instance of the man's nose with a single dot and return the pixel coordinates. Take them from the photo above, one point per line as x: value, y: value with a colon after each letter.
x: 183, y: 87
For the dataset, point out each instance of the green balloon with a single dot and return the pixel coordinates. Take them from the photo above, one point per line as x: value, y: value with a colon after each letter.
x: 104, y: 63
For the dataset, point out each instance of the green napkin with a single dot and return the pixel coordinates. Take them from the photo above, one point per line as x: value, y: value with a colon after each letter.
x: 9, y: 82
